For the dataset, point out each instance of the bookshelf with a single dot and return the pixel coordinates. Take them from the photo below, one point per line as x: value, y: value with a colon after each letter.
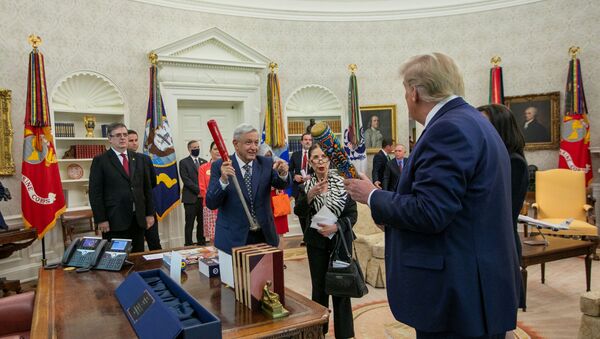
x: 77, y: 97
x: 311, y: 102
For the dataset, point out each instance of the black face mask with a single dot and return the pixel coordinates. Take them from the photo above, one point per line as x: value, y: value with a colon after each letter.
x: 195, y: 152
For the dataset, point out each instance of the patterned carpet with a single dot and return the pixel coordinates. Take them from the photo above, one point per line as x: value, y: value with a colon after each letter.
x: 552, y: 313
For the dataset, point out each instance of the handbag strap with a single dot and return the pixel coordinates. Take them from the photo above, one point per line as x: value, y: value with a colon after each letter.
x: 343, y: 240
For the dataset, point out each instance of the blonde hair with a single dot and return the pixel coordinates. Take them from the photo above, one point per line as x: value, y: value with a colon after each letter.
x: 435, y: 76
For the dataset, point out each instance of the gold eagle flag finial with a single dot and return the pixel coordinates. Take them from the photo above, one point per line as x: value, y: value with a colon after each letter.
x: 153, y: 58
x: 273, y: 66
x: 352, y: 68
x: 34, y: 40
x: 573, y: 51
x: 496, y: 60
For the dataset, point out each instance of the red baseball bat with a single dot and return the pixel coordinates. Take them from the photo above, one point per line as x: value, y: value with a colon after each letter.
x: 218, y: 139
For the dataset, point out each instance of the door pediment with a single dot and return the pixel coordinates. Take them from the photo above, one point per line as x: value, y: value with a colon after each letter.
x: 212, y: 47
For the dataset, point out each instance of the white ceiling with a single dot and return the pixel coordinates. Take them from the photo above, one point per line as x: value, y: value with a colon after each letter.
x: 339, y: 10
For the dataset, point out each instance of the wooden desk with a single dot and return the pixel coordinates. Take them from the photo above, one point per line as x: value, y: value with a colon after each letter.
x: 557, y: 248
x: 83, y: 305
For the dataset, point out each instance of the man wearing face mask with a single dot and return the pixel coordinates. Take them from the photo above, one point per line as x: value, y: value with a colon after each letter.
x: 191, y: 198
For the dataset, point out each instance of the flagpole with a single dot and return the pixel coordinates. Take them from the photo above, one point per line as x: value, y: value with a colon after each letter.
x: 35, y: 41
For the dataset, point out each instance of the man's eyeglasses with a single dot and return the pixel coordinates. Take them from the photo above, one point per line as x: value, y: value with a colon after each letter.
x: 119, y: 135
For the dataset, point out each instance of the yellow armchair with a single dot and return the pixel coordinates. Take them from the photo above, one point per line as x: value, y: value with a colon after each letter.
x: 560, y: 194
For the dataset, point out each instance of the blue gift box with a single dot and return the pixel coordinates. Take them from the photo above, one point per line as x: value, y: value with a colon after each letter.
x: 151, y: 318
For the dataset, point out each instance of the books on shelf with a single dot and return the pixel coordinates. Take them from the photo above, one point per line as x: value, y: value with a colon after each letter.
x: 253, y: 266
x: 84, y: 151
x: 64, y: 129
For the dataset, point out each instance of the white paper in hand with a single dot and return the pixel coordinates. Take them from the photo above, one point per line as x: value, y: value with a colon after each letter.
x: 323, y: 216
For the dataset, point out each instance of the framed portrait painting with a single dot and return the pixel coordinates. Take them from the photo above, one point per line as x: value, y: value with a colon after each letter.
x: 538, y: 118
x: 379, y: 122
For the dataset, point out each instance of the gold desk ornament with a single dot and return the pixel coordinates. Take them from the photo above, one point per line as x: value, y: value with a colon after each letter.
x: 352, y: 68
x: 271, y: 304
x: 89, y: 121
x: 496, y: 60
x: 573, y: 51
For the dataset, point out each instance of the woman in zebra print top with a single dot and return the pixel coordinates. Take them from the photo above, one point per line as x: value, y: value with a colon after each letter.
x: 326, y: 190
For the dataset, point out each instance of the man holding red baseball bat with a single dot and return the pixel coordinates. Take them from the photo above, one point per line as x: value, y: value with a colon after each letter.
x: 245, y: 215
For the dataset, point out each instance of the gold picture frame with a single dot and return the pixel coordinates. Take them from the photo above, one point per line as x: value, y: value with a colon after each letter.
x: 543, y: 130
x: 386, y: 128
x: 7, y: 165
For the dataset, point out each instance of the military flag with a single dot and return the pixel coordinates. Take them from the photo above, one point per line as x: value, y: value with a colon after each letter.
x: 158, y: 145
x: 42, y: 198
x: 575, y: 135
x: 274, y: 128
x: 354, y: 142
x: 496, y: 83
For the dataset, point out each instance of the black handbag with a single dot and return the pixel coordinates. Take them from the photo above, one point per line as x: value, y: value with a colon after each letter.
x: 344, y: 281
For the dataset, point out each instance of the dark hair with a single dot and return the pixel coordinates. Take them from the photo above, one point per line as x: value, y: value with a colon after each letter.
x: 191, y: 142
x: 504, y: 122
x: 212, y: 144
x: 130, y: 131
x: 114, y: 126
x: 312, y: 148
x: 305, y: 133
x: 386, y: 142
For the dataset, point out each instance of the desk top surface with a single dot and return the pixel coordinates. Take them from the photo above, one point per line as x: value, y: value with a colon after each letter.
x: 83, y: 305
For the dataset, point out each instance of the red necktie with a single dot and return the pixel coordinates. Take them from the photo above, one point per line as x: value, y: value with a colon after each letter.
x: 125, y: 163
x: 304, y: 160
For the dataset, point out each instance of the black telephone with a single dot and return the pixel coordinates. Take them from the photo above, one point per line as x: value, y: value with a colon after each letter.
x: 84, y: 252
x: 115, y: 255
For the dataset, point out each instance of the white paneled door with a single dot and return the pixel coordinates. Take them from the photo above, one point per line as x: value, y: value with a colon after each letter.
x: 192, y: 118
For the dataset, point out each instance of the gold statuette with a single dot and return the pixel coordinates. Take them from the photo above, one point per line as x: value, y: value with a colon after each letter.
x: 89, y: 122
x: 271, y: 304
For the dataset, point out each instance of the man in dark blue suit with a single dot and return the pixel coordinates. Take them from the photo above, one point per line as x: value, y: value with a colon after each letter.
x: 393, y: 169
x: 256, y: 175
x: 379, y: 161
x: 451, y: 267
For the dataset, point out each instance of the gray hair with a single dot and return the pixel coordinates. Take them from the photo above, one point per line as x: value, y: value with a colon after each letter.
x: 435, y: 76
x: 242, y: 129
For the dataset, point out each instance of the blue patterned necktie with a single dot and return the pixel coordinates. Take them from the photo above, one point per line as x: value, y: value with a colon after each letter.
x: 248, y: 182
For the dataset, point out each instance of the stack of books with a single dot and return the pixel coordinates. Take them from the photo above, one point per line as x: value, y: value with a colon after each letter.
x: 253, y: 266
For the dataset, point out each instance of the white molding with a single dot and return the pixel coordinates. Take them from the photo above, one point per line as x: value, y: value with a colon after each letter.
x: 212, y: 48
x: 312, y: 101
x: 87, y: 91
x: 336, y: 10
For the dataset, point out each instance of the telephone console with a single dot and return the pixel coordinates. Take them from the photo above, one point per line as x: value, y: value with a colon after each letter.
x: 97, y: 253
x: 115, y: 255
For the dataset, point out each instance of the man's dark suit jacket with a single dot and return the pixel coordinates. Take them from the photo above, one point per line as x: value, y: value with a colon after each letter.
x: 535, y: 132
x: 450, y: 249
x: 392, y: 174
x: 295, y: 169
x: 189, y: 176
x: 113, y: 193
x: 379, y: 161
x: 232, y: 225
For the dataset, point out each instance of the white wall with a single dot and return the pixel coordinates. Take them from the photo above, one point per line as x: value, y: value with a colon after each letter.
x: 113, y: 37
